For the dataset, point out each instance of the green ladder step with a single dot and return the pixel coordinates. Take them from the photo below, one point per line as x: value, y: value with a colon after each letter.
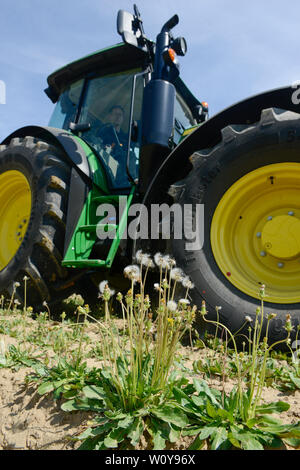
x: 93, y: 228
x: 97, y: 263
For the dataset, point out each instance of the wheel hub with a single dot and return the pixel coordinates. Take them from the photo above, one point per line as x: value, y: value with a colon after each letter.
x: 281, y: 237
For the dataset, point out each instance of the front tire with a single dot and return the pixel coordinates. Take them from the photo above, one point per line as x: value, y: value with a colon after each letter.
x: 33, y: 199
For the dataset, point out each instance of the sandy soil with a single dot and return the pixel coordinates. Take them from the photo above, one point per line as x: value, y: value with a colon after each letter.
x: 31, y: 421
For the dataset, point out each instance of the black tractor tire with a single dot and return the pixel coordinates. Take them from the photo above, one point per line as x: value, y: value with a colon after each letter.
x: 40, y: 252
x: 243, y: 149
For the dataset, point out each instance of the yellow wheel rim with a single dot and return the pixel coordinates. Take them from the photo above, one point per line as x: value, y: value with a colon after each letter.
x: 255, y: 233
x: 15, y: 209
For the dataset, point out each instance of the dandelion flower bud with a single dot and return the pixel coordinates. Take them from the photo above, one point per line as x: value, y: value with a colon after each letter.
x: 288, y: 324
x: 262, y: 292
x: 203, y: 310
x: 147, y: 302
x: 129, y: 297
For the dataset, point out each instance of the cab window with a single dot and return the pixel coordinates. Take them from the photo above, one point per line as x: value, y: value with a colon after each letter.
x: 106, y: 107
x: 183, y: 118
x: 66, y: 107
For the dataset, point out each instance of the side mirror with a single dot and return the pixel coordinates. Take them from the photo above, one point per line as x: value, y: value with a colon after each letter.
x: 130, y: 28
x: 82, y: 127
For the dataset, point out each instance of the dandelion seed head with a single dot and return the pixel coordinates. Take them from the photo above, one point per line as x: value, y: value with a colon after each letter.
x: 177, y: 274
x: 106, y: 291
x: 157, y: 287
x: 132, y: 272
x: 158, y: 258
x: 144, y: 259
x: 184, y: 301
x: 187, y: 283
x: 102, y: 286
x: 172, y: 305
x: 164, y: 261
x: 248, y: 319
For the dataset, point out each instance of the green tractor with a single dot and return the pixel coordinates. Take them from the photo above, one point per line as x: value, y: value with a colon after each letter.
x: 127, y: 136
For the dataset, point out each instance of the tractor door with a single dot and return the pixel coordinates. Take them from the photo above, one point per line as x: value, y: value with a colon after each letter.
x: 112, y: 105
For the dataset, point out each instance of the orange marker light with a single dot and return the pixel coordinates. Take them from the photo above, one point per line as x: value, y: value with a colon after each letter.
x: 204, y: 104
x: 172, y: 54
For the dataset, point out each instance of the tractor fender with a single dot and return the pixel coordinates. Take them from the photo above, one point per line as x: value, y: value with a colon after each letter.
x: 176, y: 165
x: 73, y: 151
x: 81, y: 175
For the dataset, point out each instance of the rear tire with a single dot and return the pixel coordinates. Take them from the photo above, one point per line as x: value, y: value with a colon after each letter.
x: 36, y: 236
x: 274, y: 142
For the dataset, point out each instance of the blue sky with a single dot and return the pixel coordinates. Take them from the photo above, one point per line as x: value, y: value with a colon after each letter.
x: 235, y: 49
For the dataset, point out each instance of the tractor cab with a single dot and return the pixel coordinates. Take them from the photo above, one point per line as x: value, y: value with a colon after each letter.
x: 101, y: 110
x: 127, y: 101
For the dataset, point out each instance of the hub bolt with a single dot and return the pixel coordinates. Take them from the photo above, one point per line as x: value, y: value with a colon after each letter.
x: 291, y: 213
x: 280, y: 265
x: 263, y: 253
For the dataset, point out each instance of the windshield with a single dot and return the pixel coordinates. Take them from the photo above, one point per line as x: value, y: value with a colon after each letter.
x: 106, y: 107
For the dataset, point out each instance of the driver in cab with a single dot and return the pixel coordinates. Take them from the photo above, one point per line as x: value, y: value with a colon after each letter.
x: 113, y: 137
